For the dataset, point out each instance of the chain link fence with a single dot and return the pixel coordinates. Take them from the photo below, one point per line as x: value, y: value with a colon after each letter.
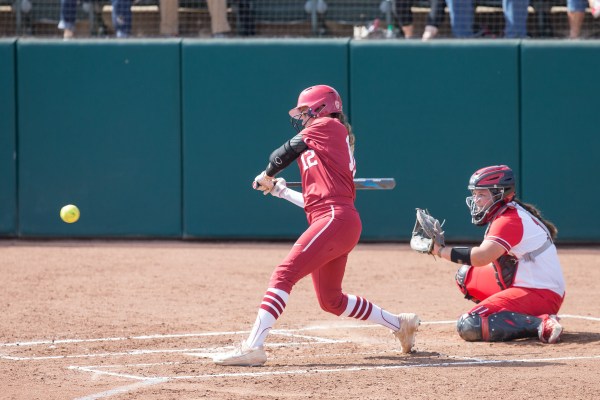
x: 359, y: 19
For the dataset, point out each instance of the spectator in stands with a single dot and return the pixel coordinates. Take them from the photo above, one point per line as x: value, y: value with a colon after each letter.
x: 169, y: 18
x: 121, y: 17
x: 434, y: 18
x: 462, y: 13
x: 246, y: 18
x: 576, y: 14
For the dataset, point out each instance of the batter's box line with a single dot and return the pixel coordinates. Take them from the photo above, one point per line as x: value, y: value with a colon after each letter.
x: 203, y: 334
x: 334, y: 370
x: 197, y: 352
x: 288, y: 332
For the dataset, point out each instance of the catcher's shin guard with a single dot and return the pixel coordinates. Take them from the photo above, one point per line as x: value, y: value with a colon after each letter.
x: 461, y: 280
x: 469, y: 327
x: 498, y: 327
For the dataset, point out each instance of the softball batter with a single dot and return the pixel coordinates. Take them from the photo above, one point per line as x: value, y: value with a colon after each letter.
x: 324, y: 149
x: 514, y: 275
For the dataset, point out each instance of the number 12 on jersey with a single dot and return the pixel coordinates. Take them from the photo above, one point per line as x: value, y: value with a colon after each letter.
x: 308, y: 159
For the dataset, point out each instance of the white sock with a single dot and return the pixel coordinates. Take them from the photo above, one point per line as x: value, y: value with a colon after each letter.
x: 272, y: 306
x: 363, y: 309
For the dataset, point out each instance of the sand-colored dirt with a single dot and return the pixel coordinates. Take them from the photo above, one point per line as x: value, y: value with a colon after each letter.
x: 140, y: 320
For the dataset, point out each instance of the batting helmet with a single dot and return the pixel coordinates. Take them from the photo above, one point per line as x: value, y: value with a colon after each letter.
x: 500, y: 181
x: 316, y: 101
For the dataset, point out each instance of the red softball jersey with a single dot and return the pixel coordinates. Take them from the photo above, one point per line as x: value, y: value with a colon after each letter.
x: 327, y: 166
x: 519, y: 233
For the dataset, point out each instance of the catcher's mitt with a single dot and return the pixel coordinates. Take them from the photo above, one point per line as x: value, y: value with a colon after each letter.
x: 426, y: 232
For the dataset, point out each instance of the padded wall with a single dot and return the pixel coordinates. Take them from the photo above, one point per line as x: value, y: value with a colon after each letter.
x: 8, y: 137
x: 99, y: 126
x: 430, y: 114
x: 236, y: 98
x: 561, y: 136
x: 163, y: 138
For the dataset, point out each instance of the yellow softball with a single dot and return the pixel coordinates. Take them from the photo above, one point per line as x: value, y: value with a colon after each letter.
x: 69, y: 213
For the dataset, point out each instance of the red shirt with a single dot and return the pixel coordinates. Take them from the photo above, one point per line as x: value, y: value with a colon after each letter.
x: 327, y: 167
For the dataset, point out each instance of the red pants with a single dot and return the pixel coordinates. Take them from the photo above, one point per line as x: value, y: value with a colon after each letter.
x: 322, y: 250
x: 481, y: 284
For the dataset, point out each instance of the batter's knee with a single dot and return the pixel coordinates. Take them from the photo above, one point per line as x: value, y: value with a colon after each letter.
x: 333, y: 304
x: 469, y: 327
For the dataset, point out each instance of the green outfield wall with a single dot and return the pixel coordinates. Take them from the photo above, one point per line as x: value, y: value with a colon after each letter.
x: 430, y: 115
x: 561, y: 134
x: 8, y: 137
x: 162, y: 138
x: 99, y: 127
x: 236, y: 98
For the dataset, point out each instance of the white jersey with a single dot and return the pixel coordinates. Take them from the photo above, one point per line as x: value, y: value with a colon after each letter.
x: 520, y: 233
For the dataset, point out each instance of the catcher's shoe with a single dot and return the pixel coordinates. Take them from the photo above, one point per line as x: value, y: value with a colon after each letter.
x: 243, y: 356
x: 409, y: 323
x: 550, y: 330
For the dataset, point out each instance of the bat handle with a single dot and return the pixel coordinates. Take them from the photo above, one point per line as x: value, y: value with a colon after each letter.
x: 256, y: 185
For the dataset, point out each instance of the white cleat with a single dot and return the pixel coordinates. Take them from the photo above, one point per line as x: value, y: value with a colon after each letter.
x: 409, y: 324
x: 550, y: 330
x: 243, y: 356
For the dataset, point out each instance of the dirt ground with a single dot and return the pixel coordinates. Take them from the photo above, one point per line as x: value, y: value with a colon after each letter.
x: 141, y: 320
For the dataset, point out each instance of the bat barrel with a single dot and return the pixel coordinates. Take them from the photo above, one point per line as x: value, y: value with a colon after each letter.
x: 363, y: 183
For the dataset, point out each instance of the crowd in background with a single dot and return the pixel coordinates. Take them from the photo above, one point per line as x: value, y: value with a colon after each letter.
x: 399, y: 22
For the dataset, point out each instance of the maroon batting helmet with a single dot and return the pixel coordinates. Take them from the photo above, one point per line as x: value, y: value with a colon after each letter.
x: 319, y: 100
x: 500, y: 181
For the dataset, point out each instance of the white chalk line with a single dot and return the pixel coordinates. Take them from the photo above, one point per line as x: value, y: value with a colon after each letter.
x: 146, y: 381
x: 193, y: 335
x: 579, y: 317
x: 96, y: 369
x: 205, y: 351
x: 114, y: 354
x: 346, y: 369
x: 275, y: 331
x: 123, y: 389
x: 198, y: 351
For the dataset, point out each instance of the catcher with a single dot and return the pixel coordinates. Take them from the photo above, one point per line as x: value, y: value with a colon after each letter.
x: 514, y: 275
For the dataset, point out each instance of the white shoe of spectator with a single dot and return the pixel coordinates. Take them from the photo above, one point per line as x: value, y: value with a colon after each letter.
x: 431, y: 32
x: 596, y: 9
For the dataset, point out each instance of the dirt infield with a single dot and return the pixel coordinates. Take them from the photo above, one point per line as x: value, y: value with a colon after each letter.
x: 140, y: 320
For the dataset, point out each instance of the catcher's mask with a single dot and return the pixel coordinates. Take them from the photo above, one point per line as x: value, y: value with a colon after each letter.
x: 313, y: 102
x: 500, y: 181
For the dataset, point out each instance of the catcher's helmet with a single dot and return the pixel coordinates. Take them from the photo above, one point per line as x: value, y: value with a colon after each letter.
x: 315, y: 101
x: 500, y: 181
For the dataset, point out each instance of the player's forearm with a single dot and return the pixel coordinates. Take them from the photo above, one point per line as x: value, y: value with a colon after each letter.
x: 293, y: 197
x: 285, y: 155
x: 478, y: 256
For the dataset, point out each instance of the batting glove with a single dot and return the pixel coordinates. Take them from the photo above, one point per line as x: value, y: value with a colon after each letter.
x: 279, y: 188
x: 264, y: 183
